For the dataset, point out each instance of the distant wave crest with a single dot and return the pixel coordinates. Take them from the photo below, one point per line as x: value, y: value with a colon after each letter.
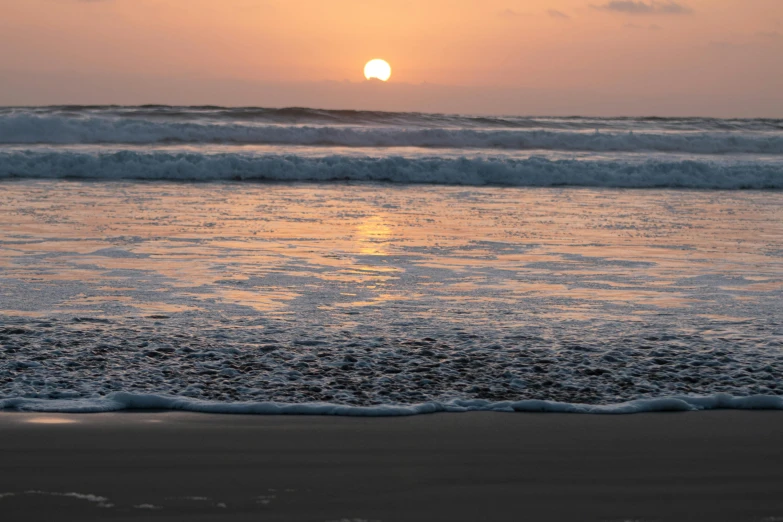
x: 534, y: 171
x: 304, y: 115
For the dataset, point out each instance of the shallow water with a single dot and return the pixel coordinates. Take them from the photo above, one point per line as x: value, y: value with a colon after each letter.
x: 367, y: 294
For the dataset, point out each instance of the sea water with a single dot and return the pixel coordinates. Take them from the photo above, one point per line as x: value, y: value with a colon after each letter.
x: 364, y: 263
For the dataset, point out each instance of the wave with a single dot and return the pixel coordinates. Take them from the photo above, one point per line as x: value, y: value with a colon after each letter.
x: 299, y: 115
x: 27, y: 128
x: 530, y: 172
x: 118, y: 401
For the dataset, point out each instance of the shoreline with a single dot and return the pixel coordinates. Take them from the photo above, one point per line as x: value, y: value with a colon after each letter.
x: 145, y: 402
x: 708, y: 465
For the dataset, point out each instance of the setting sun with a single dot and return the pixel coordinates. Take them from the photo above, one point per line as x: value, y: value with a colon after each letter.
x: 377, y: 68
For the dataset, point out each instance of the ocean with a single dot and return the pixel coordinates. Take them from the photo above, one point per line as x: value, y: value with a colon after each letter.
x: 369, y: 263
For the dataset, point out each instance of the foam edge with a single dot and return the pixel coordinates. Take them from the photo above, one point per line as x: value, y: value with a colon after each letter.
x: 122, y: 401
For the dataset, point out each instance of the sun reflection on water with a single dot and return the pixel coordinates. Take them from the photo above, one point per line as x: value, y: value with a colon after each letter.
x: 373, y: 236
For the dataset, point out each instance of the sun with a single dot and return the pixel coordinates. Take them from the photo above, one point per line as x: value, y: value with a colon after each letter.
x: 377, y: 68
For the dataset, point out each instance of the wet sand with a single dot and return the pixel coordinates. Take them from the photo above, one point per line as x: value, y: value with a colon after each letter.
x: 711, y: 466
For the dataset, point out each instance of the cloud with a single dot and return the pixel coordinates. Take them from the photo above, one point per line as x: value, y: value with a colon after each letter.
x: 554, y: 13
x: 770, y: 34
x: 509, y: 13
x: 723, y: 45
x: 644, y: 8
x: 651, y: 27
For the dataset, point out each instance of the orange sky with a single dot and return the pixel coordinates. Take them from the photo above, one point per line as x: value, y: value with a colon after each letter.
x: 713, y: 57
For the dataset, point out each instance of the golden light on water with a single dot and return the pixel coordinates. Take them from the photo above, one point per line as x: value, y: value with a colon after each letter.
x: 377, y: 68
x: 372, y: 235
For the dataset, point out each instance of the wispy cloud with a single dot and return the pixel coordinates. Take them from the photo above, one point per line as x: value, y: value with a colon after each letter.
x: 644, y: 8
x: 509, y: 13
x: 723, y: 45
x: 554, y: 13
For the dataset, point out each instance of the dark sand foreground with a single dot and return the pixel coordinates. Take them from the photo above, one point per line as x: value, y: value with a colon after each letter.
x: 710, y: 466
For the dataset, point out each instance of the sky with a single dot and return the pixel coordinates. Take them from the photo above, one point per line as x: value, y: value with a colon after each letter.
x: 718, y: 58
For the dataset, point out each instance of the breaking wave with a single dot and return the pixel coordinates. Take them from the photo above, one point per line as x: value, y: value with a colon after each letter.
x: 32, y: 128
x: 530, y: 172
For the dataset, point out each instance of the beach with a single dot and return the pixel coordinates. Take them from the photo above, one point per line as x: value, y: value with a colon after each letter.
x: 710, y: 466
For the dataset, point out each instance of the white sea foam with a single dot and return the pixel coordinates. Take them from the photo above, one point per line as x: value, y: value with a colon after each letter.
x: 119, y: 401
x: 102, y: 502
x: 29, y: 128
x: 533, y: 171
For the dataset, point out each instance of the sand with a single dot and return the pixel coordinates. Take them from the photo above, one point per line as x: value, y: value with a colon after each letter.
x: 712, y: 466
